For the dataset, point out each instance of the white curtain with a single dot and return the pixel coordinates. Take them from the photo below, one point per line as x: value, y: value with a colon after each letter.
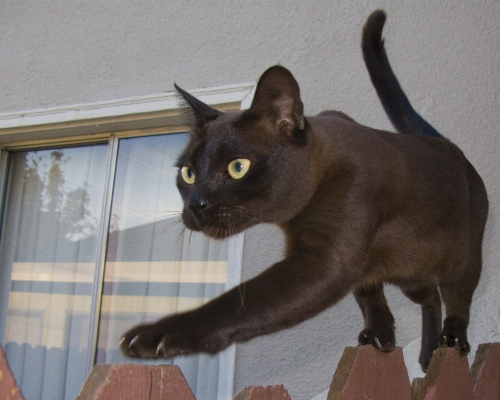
x: 47, y: 263
x: 153, y: 266
x: 52, y: 236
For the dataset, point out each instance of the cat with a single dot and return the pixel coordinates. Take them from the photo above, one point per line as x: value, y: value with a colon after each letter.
x: 359, y: 207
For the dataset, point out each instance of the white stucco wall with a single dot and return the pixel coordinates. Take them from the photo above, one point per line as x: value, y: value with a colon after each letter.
x: 446, y: 55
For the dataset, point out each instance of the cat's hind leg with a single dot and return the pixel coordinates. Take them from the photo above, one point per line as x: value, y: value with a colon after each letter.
x: 379, y: 322
x: 456, y: 293
x: 430, y: 301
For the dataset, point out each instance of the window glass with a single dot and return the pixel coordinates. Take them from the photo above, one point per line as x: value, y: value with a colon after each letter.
x: 153, y: 265
x: 48, y: 259
x: 51, y: 247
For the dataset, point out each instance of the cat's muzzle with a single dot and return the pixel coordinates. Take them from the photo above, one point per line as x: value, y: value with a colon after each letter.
x: 215, y: 220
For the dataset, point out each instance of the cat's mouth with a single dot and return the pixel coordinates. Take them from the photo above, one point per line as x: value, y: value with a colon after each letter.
x: 217, y: 221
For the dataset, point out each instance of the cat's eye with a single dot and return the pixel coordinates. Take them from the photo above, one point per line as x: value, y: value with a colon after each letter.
x: 238, y: 168
x: 188, y: 175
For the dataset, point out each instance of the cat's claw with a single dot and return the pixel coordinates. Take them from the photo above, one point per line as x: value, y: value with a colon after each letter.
x: 133, y: 341
x: 455, y: 335
x: 161, y: 349
x: 461, y: 345
x: 158, y: 340
x: 380, y: 339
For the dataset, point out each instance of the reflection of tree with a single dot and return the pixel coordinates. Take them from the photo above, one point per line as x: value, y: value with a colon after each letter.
x: 61, y: 211
x: 114, y: 224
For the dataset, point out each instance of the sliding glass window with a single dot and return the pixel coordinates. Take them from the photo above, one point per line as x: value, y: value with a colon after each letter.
x: 92, y: 244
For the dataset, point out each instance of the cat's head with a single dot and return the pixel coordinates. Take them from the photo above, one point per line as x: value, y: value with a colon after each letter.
x: 246, y: 167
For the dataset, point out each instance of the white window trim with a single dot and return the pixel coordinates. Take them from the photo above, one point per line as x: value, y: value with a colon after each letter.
x: 133, y: 116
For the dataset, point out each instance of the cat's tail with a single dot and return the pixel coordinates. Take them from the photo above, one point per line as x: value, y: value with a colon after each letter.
x: 397, y: 106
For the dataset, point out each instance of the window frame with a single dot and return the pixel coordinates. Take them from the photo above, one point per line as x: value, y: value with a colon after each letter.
x: 108, y: 122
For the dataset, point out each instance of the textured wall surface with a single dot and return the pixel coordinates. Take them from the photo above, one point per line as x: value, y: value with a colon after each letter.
x: 446, y: 55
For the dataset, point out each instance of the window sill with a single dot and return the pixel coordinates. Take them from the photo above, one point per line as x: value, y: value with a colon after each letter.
x: 139, y: 115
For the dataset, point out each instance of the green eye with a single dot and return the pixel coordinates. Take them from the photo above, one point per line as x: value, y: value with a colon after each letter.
x: 238, y: 168
x: 188, y: 175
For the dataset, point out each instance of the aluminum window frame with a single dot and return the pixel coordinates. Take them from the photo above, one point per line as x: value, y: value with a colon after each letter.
x: 107, y: 122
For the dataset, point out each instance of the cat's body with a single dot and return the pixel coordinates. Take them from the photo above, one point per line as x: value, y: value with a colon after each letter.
x: 359, y: 207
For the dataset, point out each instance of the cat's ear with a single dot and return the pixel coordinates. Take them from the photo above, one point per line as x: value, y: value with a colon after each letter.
x: 277, y: 98
x: 202, y: 112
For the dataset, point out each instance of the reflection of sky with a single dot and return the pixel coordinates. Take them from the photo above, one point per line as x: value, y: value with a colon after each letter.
x: 145, y: 188
x: 80, y: 167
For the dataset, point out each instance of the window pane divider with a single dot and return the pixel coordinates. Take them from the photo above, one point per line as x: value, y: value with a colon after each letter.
x: 4, y: 169
x: 225, y: 385
x: 4, y: 294
x: 101, y: 253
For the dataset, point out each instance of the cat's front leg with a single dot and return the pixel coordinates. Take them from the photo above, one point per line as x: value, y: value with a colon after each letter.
x: 379, y: 322
x: 284, y: 295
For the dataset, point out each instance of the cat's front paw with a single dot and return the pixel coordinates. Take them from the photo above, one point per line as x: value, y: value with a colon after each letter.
x: 155, y: 341
x: 383, y: 340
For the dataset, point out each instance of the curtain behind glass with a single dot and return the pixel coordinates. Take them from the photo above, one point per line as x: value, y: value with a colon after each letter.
x: 153, y: 266
x: 47, y: 263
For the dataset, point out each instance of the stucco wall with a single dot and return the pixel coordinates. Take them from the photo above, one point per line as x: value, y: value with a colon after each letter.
x: 446, y: 54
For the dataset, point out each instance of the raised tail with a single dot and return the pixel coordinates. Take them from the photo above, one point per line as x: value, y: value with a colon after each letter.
x: 396, y: 105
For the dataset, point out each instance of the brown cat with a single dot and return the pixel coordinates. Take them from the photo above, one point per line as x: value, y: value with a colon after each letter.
x: 359, y: 207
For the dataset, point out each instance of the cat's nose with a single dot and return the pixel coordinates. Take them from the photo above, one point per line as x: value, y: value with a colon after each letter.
x: 198, y: 206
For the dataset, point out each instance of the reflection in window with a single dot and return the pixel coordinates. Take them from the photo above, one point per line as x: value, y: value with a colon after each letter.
x: 153, y: 266
x: 51, y: 252
x: 48, y: 259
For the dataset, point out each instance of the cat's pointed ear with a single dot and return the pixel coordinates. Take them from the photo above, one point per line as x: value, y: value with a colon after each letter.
x: 277, y: 98
x: 202, y: 112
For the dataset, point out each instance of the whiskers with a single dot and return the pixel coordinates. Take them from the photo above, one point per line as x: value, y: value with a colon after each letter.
x: 177, y: 240
x: 145, y: 239
x: 222, y: 222
x: 241, y: 289
x: 178, y: 254
x: 171, y: 225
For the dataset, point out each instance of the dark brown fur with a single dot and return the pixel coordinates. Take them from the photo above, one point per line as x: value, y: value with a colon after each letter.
x: 359, y: 207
